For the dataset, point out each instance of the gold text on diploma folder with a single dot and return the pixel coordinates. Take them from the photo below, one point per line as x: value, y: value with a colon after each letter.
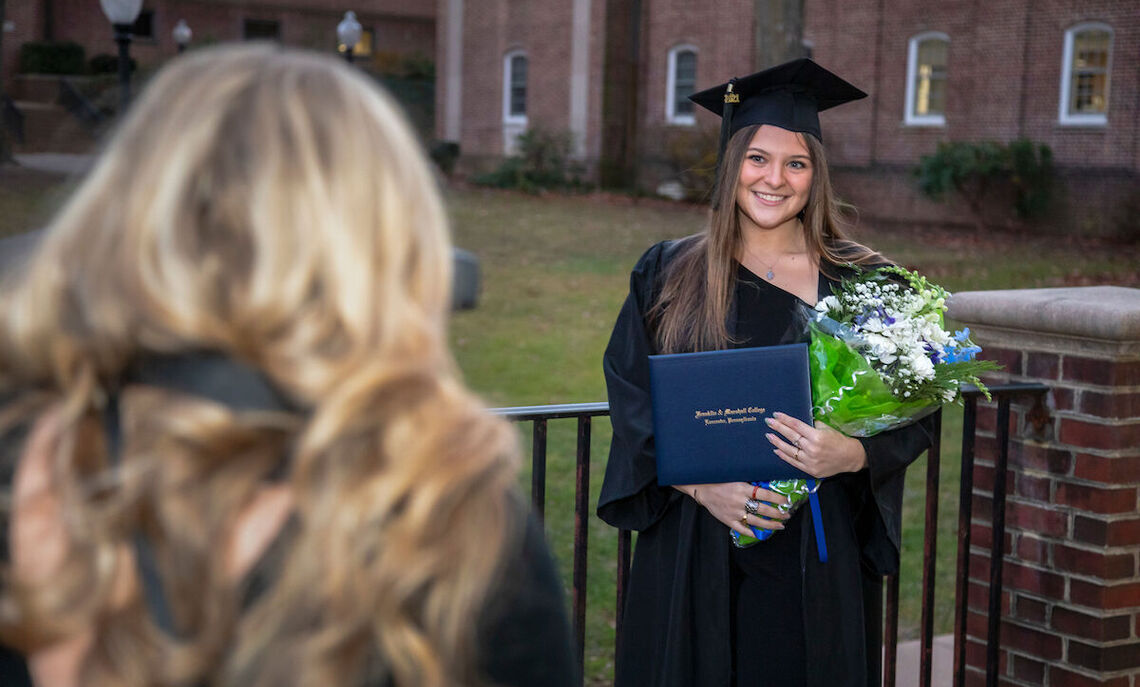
x: 725, y: 416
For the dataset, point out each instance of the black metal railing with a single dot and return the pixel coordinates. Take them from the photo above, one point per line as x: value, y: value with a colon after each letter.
x: 1003, y: 395
x: 73, y: 100
x: 539, y: 415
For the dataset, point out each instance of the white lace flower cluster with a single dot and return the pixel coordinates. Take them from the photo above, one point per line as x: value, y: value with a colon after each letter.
x: 897, y: 328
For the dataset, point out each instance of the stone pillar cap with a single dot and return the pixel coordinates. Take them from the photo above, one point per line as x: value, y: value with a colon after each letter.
x: 1109, y: 313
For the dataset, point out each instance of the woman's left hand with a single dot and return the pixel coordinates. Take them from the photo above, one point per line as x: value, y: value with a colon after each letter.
x: 820, y: 451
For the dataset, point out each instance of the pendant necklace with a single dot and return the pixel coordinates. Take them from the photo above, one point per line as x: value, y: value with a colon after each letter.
x: 770, y: 274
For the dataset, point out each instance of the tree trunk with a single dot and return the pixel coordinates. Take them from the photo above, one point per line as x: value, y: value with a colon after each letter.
x: 779, y: 36
x: 5, y: 147
x: 621, y: 85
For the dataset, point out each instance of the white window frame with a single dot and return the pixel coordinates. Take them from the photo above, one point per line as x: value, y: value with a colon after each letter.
x: 909, y: 116
x: 509, y: 118
x: 1085, y: 118
x: 671, y: 116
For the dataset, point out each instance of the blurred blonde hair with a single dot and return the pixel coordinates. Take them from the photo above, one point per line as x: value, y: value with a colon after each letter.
x: 272, y: 205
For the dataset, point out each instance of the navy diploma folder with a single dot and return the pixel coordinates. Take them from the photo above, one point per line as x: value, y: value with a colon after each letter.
x: 709, y: 410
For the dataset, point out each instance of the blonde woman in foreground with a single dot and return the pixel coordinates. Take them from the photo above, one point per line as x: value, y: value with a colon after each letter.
x: 249, y: 459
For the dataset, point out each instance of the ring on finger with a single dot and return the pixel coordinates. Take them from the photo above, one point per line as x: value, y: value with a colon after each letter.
x: 798, y: 440
x: 752, y: 506
x: 744, y: 519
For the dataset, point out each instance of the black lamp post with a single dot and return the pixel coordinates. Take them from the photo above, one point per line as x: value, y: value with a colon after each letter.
x: 122, y: 15
x: 348, y: 33
x: 182, y: 35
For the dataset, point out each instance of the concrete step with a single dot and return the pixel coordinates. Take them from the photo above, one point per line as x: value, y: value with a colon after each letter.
x: 909, y: 662
x: 50, y: 128
x: 66, y: 164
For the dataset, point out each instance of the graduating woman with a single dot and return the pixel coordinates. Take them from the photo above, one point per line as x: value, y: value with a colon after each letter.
x: 250, y: 459
x: 700, y: 611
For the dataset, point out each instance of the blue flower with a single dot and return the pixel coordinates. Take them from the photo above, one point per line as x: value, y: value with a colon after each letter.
x: 958, y: 355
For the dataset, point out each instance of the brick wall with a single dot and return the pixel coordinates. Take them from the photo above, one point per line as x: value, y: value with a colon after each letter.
x: 1004, y: 83
x: 27, y: 25
x: 400, y: 28
x: 543, y: 31
x: 1071, y: 599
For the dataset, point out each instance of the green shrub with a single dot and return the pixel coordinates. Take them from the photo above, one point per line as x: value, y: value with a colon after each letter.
x: 417, y: 97
x: 975, y: 170
x: 445, y: 154
x: 690, y: 155
x: 543, y: 162
x: 418, y: 66
x: 105, y: 63
x: 47, y: 57
x: 1032, y: 168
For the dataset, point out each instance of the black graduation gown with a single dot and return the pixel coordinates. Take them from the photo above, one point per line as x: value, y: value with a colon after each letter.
x: 678, y: 622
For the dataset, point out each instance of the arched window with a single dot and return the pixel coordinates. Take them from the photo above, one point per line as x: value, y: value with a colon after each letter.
x: 926, y: 63
x: 682, y: 82
x: 514, y: 87
x: 1085, y: 74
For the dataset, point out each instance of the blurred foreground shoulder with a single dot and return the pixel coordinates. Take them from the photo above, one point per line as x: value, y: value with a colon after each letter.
x: 524, y: 637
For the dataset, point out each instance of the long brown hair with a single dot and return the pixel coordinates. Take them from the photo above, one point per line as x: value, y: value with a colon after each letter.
x: 271, y: 205
x: 691, y: 312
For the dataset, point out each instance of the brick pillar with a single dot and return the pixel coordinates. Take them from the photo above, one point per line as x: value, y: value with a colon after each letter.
x: 1071, y: 600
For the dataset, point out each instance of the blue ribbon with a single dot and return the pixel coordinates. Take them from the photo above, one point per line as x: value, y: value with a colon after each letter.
x: 817, y: 520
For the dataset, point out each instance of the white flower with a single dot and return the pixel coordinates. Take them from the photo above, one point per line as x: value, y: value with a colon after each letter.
x: 827, y: 303
x: 923, y: 368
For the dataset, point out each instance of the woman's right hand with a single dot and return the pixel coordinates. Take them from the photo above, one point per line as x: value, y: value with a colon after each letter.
x: 727, y: 502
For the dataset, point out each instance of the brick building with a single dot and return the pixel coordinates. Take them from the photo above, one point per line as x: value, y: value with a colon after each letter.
x: 393, y: 29
x: 614, y: 73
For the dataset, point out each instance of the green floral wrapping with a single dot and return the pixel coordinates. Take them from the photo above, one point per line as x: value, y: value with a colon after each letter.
x: 797, y: 491
x: 849, y: 395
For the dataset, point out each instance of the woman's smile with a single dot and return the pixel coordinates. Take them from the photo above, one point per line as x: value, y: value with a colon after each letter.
x: 769, y: 198
x: 775, y: 178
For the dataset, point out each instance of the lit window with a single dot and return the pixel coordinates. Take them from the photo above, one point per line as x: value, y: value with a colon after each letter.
x: 514, y: 88
x: 363, y: 47
x: 927, y: 57
x: 1085, y: 74
x: 682, y: 83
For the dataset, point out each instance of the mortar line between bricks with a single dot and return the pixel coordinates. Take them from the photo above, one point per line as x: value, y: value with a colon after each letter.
x: 1094, y: 420
x: 1084, y: 386
x: 1100, y: 581
x: 1072, y: 479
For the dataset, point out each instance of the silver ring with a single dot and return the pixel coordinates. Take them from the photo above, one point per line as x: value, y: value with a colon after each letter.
x: 752, y: 506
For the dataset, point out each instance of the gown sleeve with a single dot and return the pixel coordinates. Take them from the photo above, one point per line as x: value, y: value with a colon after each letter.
x: 630, y: 497
x: 880, y: 519
x: 13, y: 666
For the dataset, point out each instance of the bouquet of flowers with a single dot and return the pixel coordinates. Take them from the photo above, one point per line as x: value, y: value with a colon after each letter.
x: 879, y: 355
x: 880, y: 359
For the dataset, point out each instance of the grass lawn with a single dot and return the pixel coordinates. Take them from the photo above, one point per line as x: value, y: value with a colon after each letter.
x: 555, y: 271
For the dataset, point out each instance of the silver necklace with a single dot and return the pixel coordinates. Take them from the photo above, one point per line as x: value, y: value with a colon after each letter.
x: 770, y: 274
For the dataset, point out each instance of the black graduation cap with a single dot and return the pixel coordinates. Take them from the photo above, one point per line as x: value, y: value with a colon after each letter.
x: 790, y: 96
